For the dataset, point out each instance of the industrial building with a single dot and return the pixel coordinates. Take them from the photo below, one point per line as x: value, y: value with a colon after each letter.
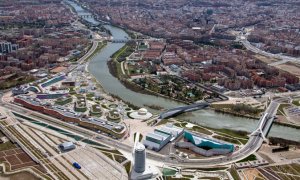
x: 162, y: 136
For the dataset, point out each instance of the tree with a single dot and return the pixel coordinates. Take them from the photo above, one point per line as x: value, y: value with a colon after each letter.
x: 209, y: 12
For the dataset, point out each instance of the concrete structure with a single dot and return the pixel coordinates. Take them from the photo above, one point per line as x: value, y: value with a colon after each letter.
x: 68, y: 83
x: 24, y: 90
x: 172, y: 130
x: 50, y: 96
x: 140, y: 168
x: 52, y: 81
x: 114, y: 115
x: 5, y: 47
x: 70, y: 116
x: 67, y: 146
x: 162, y: 136
x: 141, y: 114
x: 19, y: 90
x: 157, y: 140
x: 139, y: 158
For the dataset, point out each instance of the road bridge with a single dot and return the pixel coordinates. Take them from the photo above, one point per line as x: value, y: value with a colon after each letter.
x: 120, y: 40
x: 87, y: 16
x: 125, y: 40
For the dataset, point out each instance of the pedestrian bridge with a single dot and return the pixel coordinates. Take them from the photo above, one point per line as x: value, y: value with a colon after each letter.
x: 266, y: 121
x: 179, y: 110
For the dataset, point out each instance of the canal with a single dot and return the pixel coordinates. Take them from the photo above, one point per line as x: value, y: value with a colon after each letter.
x: 99, y: 69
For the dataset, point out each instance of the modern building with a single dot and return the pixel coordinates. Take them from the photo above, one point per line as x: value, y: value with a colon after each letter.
x: 172, y: 130
x: 162, y: 136
x: 204, y: 146
x: 19, y: 90
x: 5, y: 47
x: 203, y: 142
x: 157, y: 140
x: 141, y: 114
x: 68, y: 115
x: 141, y: 170
x: 68, y: 83
x: 52, y: 81
x: 139, y: 158
x: 50, y: 96
x: 24, y: 89
x: 67, y: 146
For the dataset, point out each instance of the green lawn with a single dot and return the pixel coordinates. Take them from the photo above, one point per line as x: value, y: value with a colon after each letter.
x: 6, y: 146
x: 201, y: 130
x: 234, y: 174
x: 230, y: 140
x: 252, y: 157
x: 140, y: 138
x: 281, y: 107
x: 296, y: 102
x: 127, y: 167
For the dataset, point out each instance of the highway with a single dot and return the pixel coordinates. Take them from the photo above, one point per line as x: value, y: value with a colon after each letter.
x: 282, y: 58
x: 255, y: 141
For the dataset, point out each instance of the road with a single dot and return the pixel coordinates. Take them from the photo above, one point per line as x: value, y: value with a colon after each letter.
x: 254, y: 143
x: 84, y: 58
x: 282, y: 58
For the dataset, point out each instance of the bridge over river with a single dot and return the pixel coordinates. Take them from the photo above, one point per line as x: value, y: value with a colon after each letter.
x: 182, y: 109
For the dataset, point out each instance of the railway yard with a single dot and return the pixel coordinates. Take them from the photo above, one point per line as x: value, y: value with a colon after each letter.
x: 39, y: 150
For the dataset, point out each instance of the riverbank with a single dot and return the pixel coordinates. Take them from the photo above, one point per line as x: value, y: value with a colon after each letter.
x: 287, y: 125
x: 113, y: 69
x: 100, y: 46
x: 235, y: 113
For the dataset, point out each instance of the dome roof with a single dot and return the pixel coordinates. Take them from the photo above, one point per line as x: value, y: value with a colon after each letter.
x: 142, y: 111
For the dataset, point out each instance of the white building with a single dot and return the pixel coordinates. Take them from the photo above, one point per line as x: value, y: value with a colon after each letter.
x: 162, y: 136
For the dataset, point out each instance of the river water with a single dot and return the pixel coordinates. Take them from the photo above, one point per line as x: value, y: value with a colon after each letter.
x: 98, y: 67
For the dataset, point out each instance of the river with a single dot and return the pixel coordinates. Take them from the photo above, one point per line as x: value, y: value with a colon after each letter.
x: 98, y: 67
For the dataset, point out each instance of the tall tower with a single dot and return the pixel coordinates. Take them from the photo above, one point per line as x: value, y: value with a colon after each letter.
x: 140, y: 170
x: 139, y: 158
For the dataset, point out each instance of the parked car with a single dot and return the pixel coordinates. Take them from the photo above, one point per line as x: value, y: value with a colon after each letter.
x: 76, y: 165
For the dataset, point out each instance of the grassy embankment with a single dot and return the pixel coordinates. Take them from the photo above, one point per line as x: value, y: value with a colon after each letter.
x: 100, y: 46
x: 236, y: 137
x: 242, y: 110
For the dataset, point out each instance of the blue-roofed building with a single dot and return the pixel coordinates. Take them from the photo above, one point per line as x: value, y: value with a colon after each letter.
x: 207, y: 143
